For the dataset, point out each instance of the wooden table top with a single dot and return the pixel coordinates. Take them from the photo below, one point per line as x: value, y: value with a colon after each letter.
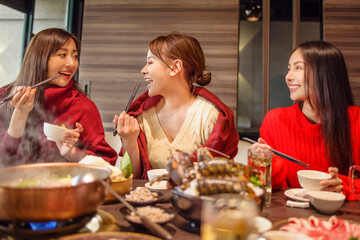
x: 180, y: 228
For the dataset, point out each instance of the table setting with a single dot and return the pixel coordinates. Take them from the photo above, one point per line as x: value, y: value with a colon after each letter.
x: 193, y: 212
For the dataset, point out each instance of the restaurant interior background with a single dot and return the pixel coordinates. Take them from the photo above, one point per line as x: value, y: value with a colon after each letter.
x: 246, y: 43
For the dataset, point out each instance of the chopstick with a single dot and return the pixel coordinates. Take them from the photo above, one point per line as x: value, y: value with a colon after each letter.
x: 131, y: 99
x: 8, y: 98
x: 294, y: 160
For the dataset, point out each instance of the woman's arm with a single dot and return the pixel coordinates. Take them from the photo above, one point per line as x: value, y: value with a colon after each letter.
x: 128, y: 129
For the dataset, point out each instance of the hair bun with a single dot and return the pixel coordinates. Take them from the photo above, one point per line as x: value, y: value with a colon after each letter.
x: 204, y: 79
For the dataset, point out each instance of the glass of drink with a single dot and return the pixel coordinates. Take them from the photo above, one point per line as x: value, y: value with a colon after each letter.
x: 227, y: 217
x: 261, y: 160
x: 354, y: 178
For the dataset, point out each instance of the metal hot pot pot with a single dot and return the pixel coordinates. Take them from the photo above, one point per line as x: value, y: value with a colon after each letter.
x: 40, y: 204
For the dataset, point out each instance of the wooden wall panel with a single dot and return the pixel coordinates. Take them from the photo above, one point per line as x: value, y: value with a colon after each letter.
x: 342, y: 28
x: 115, y: 39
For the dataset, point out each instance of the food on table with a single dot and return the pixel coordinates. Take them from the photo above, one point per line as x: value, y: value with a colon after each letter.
x: 141, y: 194
x: 116, y: 173
x: 48, y: 181
x: 211, y: 175
x: 317, y: 229
x: 154, y: 214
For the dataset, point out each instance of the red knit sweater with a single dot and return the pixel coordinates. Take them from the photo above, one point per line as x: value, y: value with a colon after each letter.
x: 62, y: 106
x: 287, y: 130
x: 223, y: 137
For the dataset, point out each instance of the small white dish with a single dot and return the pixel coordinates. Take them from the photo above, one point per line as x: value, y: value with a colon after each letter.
x: 154, y: 173
x: 297, y: 194
x: 262, y: 224
x: 157, y: 186
x: 310, y: 179
x: 326, y: 202
x: 53, y: 132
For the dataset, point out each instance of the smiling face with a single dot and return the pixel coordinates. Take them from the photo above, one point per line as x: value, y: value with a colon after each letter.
x: 64, y: 62
x: 156, y: 73
x: 296, y: 76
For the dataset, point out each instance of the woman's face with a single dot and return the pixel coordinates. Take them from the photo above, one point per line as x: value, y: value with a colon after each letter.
x: 156, y: 73
x: 64, y: 62
x: 295, y: 76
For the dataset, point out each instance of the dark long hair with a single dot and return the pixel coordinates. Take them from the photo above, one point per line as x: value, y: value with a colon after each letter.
x: 34, y: 70
x: 188, y: 50
x: 326, y: 75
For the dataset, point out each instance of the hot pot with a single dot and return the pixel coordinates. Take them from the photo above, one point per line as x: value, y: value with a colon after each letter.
x: 40, y: 204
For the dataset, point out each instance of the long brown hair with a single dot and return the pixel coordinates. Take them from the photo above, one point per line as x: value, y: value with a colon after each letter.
x: 34, y: 70
x: 326, y: 75
x: 188, y: 50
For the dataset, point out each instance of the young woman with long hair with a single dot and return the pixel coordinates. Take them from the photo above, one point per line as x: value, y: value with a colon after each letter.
x: 51, y: 52
x: 322, y: 128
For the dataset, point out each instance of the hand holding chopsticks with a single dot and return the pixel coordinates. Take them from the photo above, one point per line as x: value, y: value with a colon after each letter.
x: 294, y: 160
x: 8, y: 98
x: 131, y: 99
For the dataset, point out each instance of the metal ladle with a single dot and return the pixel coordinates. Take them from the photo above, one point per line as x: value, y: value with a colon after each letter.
x: 150, y: 225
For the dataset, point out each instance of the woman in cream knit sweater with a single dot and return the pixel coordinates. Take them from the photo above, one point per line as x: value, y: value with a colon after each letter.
x: 174, y: 114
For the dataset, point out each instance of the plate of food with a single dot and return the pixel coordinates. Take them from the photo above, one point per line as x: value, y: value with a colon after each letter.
x: 332, y: 228
x: 297, y: 194
x: 154, y: 214
x: 142, y: 196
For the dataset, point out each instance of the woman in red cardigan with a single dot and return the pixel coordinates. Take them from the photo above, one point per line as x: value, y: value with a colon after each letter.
x: 174, y: 114
x: 51, y: 52
x: 323, y: 127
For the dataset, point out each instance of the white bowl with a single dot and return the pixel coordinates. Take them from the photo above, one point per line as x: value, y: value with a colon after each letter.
x: 310, y: 179
x: 53, y: 132
x: 326, y: 202
x: 282, y: 235
x: 153, y: 173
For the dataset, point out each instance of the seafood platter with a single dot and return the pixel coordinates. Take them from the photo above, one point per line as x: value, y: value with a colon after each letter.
x: 194, y: 181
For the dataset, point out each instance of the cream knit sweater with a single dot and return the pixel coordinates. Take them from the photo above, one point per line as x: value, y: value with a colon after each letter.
x: 198, y: 124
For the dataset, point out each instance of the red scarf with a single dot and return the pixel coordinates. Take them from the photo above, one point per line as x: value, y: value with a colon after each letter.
x: 223, y: 137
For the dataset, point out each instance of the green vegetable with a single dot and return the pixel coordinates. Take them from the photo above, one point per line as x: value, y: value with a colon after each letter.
x: 63, y: 126
x: 353, y: 238
x: 256, y: 181
x: 126, y: 167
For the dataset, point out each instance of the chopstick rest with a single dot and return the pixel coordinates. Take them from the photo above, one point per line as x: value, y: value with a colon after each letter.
x: 290, y: 203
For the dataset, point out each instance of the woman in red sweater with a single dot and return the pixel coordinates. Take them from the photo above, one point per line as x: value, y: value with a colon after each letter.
x: 51, y: 52
x: 323, y: 127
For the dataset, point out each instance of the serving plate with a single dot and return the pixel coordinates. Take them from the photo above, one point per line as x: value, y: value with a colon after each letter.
x: 297, y: 194
x: 147, y: 203
x: 126, y: 212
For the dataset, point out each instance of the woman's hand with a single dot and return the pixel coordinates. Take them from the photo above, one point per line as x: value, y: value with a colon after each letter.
x: 23, y: 99
x: 261, y: 147
x: 66, y: 145
x: 23, y: 102
x: 127, y: 127
x: 334, y: 184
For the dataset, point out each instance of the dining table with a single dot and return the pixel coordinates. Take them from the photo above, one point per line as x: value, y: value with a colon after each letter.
x: 278, y: 213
